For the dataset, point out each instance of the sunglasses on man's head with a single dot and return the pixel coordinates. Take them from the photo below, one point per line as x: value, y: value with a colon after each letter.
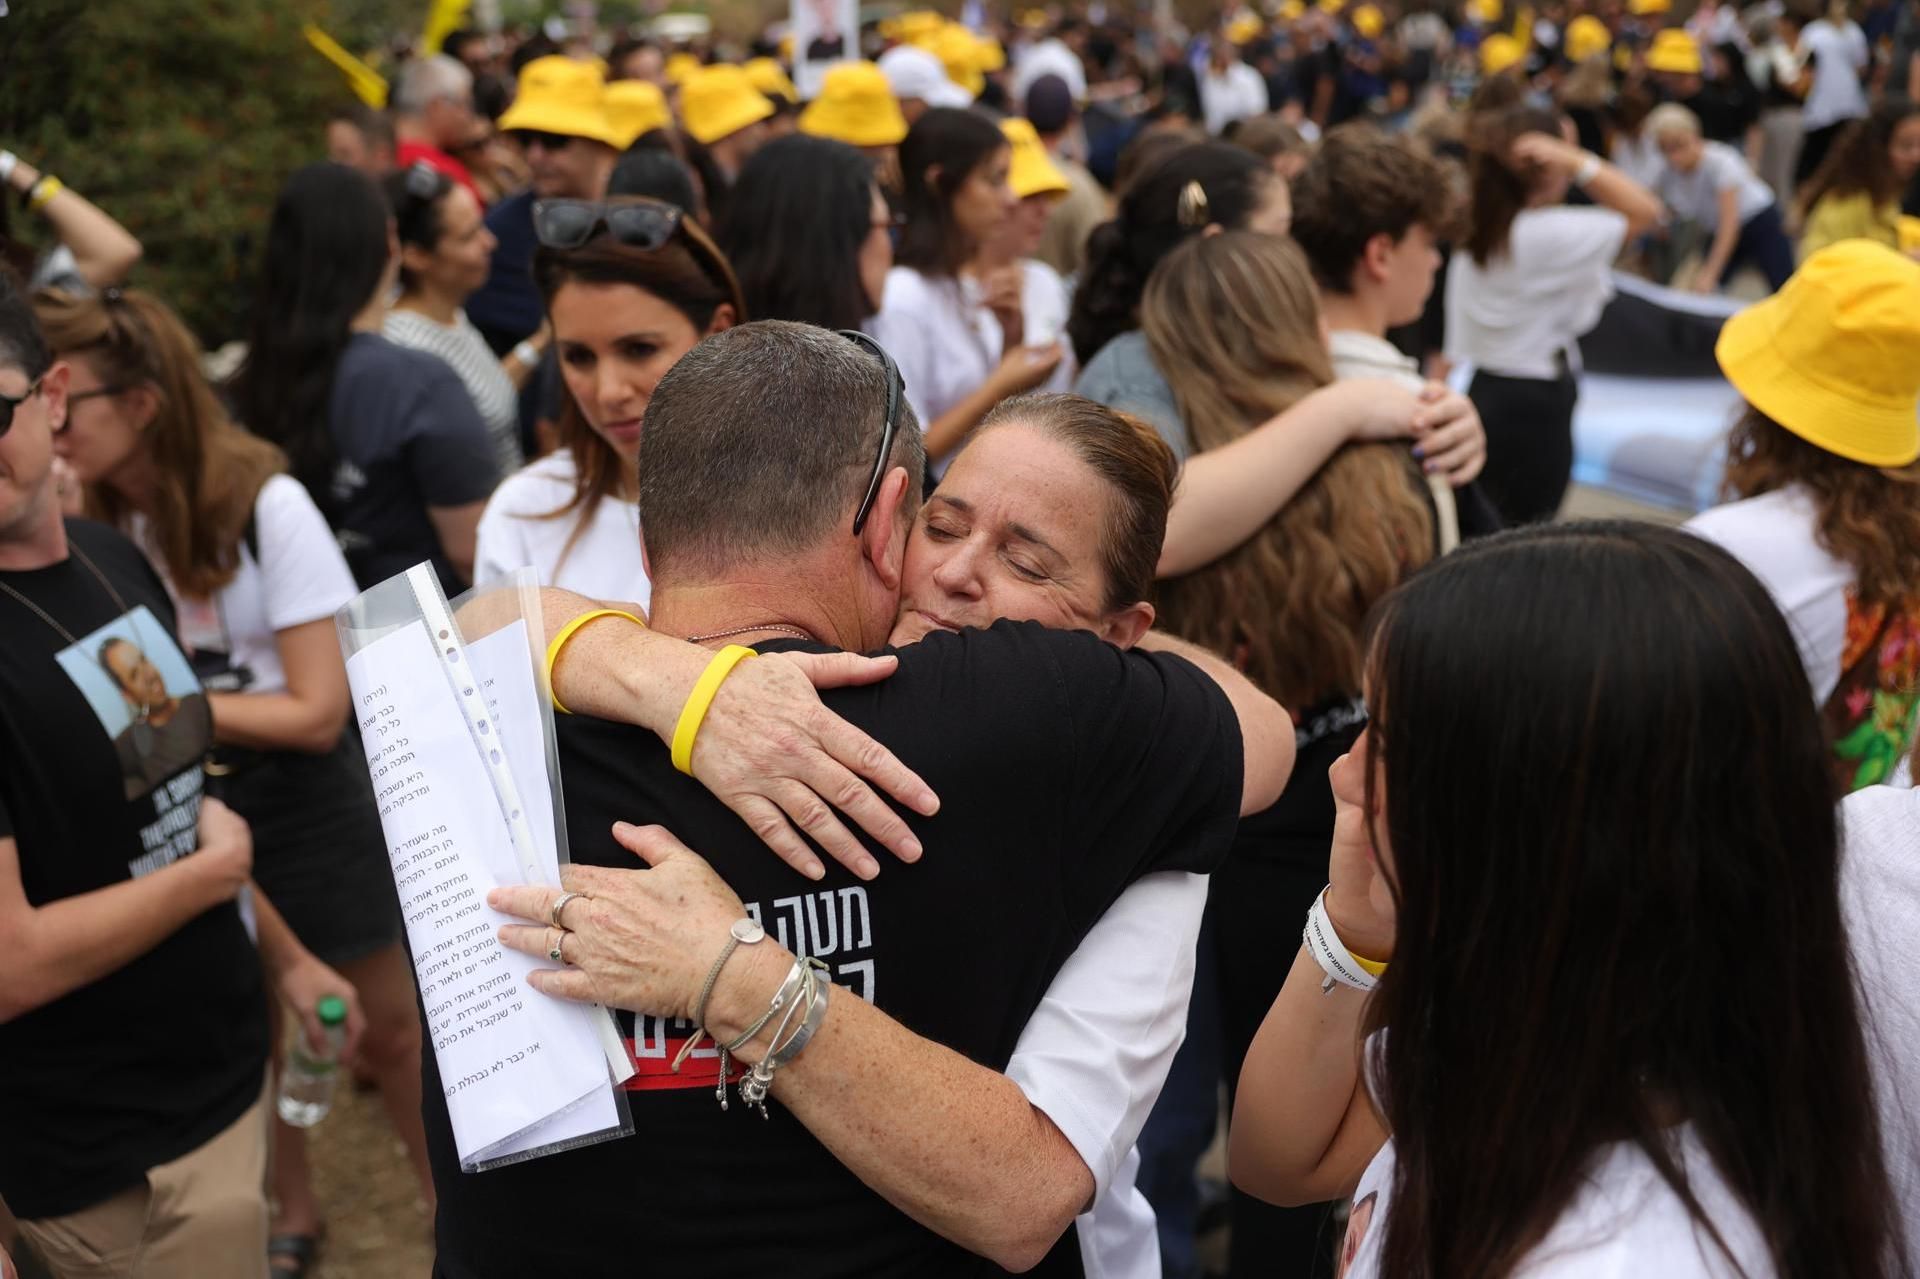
x: 638, y: 223
x: 896, y: 391
x: 547, y: 141
x: 8, y: 403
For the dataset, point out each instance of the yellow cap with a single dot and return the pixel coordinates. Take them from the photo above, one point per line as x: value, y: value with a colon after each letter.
x: 1675, y: 53
x: 1907, y: 230
x: 993, y: 55
x: 1499, y: 52
x: 918, y: 27
x: 1368, y: 21
x: 1834, y: 356
x: 855, y: 106
x: 1032, y: 171
x: 1031, y: 19
x: 1245, y: 30
x: 771, y: 79
x: 786, y: 48
x: 558, y: 94
x: 1290, y: 10
x: 635, y: 107
x: 1647, y: 8
x: 1331, y: 6
x: 680, y: 66
x: 1485, y: 12
x: 1587, y: 36
x: 719, y: 101
x: 959, y: 53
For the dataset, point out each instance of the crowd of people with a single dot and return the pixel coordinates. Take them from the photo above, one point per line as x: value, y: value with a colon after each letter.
x: 1183, y: 423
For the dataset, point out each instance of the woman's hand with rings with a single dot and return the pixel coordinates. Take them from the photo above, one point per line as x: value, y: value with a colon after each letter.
x: 635, y: 939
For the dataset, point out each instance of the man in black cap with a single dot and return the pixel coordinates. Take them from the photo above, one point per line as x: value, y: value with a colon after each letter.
x: 1051, y: 110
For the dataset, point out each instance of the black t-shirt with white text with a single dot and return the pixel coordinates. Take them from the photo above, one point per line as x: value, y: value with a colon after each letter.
x: 99, y: 787
x: 1066, y: 770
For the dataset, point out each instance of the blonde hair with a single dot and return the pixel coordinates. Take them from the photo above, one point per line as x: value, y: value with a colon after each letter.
x: 1234, y: 323
x: 1671, y: 117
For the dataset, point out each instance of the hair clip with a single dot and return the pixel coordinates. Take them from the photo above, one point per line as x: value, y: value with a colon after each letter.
x: 1192, y: 210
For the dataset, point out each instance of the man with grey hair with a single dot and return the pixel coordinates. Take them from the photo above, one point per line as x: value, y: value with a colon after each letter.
x: 780, y: 472
x: 432, y: 110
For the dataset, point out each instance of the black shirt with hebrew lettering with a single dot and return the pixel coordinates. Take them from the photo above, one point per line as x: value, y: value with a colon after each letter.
x: 1066, y: 769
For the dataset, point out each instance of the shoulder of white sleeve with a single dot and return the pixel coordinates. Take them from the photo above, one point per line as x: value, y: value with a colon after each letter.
x: 304, y: 574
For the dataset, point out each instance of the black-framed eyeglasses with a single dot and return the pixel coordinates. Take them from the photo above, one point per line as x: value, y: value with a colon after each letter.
x: 549, y: 141
x: 638, y: 222
x: 896, y: 391
x: 8, y: 403
x: 74, y: 397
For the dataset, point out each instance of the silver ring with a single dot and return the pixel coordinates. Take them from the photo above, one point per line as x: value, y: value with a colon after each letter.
x: 560, y: 904
x: 553, y: 951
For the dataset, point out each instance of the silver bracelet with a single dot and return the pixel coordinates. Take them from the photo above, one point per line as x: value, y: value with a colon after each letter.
x: 8, y: 162
x: 527, y: 353
x: 757, y: 1082
x: 745, y: 932
x: 796, y: 977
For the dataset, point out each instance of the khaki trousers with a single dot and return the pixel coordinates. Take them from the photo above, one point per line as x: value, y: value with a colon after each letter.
x: 203, y: 1216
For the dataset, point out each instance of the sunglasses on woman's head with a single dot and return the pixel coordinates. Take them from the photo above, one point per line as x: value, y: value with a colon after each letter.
x: 638, y: 223
x: 8, y: 403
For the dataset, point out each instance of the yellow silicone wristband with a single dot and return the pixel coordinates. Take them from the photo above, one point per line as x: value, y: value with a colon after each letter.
x: 705, y: 689
x: 43, y: 192
x: 566, y: 633
x: 1374, y: 967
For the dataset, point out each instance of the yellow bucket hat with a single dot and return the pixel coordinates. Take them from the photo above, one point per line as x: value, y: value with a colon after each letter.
x: 718, y: 101
x: 1333, y: 7
x: 679, y: 67
x: 1290, y: 10
x: 771, y: 79
x: 918, y: 27
x: 635, y: 107
x: 1032, y: 171
x: 1485, y: 12
x: 1834, y: 356
x: 1587, y: 36
x: 1369, y: 22
x: 959, y: 53
x: 1245, y: 30
x: 1647, y: 8
x: 1675, y: 53
x: 1499, y: 52
x: 558, y: 94
x: 855, y: 106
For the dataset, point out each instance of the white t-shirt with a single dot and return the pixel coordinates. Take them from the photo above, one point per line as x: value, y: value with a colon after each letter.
x: 1048, y: 57
x: 1880, y: 898
x: 604, y: 561
x: 467, y: 353
x: 1095, y: 1053
x: 1356, y: 354
x: 945, y: 340
x: 1639, y: 158
x: 1839, y: 57
x: 1774, y: 536
x: 1238, y: 93
x: 1044, y: 304
x: 1624, y: 1223
x: 1695, y: 196
x: 1535, y: 300
x: 299, y: 577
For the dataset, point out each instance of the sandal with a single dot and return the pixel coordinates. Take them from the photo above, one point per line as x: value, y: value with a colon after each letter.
x: 299, y: 1250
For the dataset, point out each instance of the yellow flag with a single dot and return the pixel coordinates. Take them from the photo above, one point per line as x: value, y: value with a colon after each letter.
x: 367, y: 84
x: 443, y: 19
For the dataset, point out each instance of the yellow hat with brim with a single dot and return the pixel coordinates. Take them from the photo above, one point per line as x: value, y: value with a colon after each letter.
x: 913, y: 28
x: 1587, y: 37
x: 1331, y: 6
x: 1291, y: 10
x: 1834, y: 356
x: 1485, y: 12
x: 719, y: 101
x: 1674, y: 53
x: 558, y: 94
x: 680, y: 66
x: 635, y: 107
x: 959, y: 53
x: 1032, y: 171
x: 993, y: 54
x: 1245, y: 30
x: 855, y: 106
x: 771, y: 79
x: 1499, y: 53
x: 1369, y: 21
x: 1647, y: 8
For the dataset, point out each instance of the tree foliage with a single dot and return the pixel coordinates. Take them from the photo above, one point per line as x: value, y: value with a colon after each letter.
x: 181, y: 118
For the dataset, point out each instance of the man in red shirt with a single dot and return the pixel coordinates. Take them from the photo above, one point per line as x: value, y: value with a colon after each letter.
x: 432, y: 114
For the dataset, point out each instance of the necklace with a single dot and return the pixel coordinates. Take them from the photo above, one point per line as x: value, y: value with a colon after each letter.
x: 781, y: 627
x: 142, y: 728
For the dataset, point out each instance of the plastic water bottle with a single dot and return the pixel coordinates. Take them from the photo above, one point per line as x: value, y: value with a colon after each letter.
x: 306, y: 1081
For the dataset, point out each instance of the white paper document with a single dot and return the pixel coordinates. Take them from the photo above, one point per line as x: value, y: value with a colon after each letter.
x: 521, y: 1071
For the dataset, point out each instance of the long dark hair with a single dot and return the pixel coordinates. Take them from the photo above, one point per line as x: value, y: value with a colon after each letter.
x: 1121, y: 254
x: 326, y: 254
x: 1498, y: 191
x: 801, y: 211
x: 1615, y: 862
x: 417, y: 220
x: 688, y: 273
x: 1859, y: 162
x: 957, y: 141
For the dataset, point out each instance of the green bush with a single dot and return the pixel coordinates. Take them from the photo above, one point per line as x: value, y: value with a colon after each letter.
x: 181, y: 118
